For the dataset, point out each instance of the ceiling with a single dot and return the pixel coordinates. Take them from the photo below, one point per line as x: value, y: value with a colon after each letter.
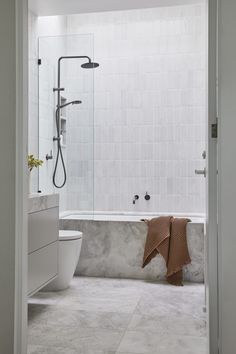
x: 67, y: 7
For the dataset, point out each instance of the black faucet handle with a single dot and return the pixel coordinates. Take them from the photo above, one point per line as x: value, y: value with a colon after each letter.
x: 136, y: 197
x: 147, y: 196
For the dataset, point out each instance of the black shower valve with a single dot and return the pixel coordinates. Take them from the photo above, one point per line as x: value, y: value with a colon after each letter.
x: 147, y: 196
x: 136, y: 197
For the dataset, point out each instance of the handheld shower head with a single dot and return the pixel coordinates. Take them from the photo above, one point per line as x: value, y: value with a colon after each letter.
x: 69, y: 103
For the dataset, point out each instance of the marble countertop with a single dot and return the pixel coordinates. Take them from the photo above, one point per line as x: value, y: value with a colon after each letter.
x: 39, y: 201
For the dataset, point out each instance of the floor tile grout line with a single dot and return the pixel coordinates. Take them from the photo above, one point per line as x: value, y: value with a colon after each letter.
x: 126, y: 330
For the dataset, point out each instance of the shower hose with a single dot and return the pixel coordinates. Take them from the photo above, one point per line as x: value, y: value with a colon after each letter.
x: 59, y: 155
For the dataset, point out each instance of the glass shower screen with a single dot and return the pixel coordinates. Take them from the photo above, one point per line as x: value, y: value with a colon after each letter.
x: 76, y: 121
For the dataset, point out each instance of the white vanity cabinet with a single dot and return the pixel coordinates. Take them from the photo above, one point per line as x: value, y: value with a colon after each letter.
x: 43, y: 233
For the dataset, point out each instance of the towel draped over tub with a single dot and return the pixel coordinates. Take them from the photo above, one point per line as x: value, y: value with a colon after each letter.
x: 167, y: 236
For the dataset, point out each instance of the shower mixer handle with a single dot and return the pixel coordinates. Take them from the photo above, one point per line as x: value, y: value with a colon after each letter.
x: 147, y: 196
x: 201, y: 172
x: 136, y: 197
x: 49, y: 157
x: 58, y: 89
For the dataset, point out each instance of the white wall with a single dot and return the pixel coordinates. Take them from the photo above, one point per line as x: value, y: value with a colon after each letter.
x: 149, y: 108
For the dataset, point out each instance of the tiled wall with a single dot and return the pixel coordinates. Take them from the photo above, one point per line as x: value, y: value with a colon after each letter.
x: 42, y: 102
x: 149, y: 108
x: 79, y: 84
x: 33, y: 95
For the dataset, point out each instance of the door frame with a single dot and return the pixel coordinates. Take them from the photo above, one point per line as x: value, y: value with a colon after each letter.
x: 21, y: 269
x: 212, y: 275
x: 21, y: 187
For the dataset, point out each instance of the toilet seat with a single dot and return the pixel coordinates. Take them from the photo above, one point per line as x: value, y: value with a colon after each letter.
x: 68, y: 235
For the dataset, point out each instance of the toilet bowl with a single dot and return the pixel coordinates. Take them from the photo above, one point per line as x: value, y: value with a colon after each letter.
x: 69, y: 251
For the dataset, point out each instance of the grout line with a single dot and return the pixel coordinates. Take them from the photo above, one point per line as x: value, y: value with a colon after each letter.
x: 126, y: 330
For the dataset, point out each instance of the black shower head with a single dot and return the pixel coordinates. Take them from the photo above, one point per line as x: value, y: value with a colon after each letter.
x: 69, y: 103
x: 89, y: 65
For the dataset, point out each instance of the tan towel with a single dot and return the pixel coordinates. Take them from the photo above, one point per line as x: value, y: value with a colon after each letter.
x: 167, y: 236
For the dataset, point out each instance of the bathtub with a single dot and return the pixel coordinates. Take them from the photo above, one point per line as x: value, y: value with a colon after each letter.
x: 113, y: 245
x: 121, y: 216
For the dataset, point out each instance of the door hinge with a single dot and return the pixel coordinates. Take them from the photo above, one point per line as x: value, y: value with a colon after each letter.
x: 214, y: 130
x: 39, y: 61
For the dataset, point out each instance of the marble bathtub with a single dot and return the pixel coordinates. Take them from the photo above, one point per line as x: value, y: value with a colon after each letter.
x: 113, y: 246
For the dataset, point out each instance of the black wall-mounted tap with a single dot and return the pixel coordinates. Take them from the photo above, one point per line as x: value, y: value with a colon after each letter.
x: 49, y: 157
x: 147, y: 196
x: 136, y: 197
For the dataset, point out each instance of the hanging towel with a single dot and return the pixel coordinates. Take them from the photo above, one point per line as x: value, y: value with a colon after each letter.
x: 167, y: 236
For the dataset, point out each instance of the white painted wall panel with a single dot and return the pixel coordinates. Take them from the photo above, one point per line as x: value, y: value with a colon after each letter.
x: 227, y: 174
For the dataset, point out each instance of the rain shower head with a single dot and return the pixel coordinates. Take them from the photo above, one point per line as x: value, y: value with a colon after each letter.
x: 89, y: 65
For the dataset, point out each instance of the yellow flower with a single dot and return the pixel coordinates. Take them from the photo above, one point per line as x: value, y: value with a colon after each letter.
x: 33, y: 162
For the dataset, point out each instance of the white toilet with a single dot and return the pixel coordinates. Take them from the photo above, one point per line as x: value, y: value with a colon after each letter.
x: 69, y: 251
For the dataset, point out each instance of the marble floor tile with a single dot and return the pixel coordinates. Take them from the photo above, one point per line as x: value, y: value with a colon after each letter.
x: 167, y: 303
x: 136, y: 342
x: 185, y: 325
x: 108, y: 316
x: 83, y: 340
x: 183, y: 345
x: 110, y: 287
x: 46, y: 298
x: 60, y: 316
x: 39, y: 349
x: 104, y: 304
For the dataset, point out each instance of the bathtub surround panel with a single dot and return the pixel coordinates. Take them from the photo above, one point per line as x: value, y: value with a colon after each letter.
x: 149, y: 110
x: 115, y: 249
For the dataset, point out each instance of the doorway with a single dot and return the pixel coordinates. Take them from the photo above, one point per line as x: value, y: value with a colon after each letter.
x: 209, y: 152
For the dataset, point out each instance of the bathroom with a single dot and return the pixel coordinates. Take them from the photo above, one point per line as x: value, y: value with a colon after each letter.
x: 132, y: 135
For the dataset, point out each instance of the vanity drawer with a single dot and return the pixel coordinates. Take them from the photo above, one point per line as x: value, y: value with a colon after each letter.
x: 43, y: 228
x: 42, y: 267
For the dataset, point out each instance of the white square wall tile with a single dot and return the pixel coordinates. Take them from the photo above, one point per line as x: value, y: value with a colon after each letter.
x: 148, y: 127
